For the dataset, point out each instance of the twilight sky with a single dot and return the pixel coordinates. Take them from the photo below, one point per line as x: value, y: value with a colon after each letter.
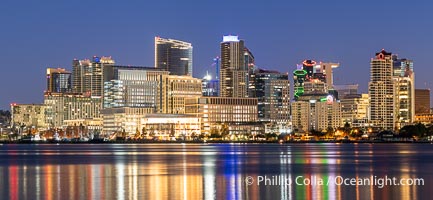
x: 35, y: 35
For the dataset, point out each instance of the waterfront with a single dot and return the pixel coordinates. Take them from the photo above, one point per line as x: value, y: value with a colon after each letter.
x: 210, y: 171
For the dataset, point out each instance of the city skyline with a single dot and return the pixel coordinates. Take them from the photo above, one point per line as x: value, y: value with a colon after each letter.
x: 338, y: 36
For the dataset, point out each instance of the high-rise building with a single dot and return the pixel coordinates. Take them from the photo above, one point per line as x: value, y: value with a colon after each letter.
x: 272, y: 91
x: 404, y: 78
x: 382, y: 92
x: 251, y: 67
x: 174, y: 56
x: 58, y: 80
x: 422, y: 101
x: 135, y: 87
x: 234, y: 72
x: 88, y: 75
x: 311, y: 78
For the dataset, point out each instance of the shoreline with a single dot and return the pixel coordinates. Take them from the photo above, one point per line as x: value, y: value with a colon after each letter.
x: 216, y: 142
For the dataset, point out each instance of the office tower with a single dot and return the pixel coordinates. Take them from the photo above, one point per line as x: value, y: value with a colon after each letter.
x: 422, y: 101
x: 58, y: 80
x: 272, y: 91
x: 88, y: 75
x: 404, y: 78
x: 70, y: 106
x: 174, y: 56
x: 28, y: 115
x: 179, y: 88
x: 233, y: 72
x: 139, y: 87
x: 382, y: 91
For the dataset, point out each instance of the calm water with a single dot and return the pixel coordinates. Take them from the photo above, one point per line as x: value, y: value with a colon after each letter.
x: 212, y: 171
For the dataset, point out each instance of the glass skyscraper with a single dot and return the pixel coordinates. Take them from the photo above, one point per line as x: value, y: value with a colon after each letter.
x: 174, y: 56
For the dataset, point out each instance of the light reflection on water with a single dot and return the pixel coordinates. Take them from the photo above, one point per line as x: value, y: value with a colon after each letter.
x: 209, y: 171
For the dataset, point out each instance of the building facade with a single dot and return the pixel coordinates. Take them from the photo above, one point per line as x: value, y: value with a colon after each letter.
x: 272, y: 89
x: 88, y: 75
x: 123, y: 119
x: 215, y: 111
x: 28, y: 115
x: 234, y: 72
x: 59, y: 80
x: 174, y: 56
x: 422, y: 101
x: 316, y: 115
x: 354, y: 109
x: 70, y: 106
x: 382, y: 92
x: 140, y: 87
x: 178, y: 88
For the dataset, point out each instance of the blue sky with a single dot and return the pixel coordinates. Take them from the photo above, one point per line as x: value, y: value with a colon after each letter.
x: 35, y: 35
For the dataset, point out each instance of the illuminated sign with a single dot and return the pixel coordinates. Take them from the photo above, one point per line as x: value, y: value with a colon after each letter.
x: 230, y: 38
x: 329, y: 99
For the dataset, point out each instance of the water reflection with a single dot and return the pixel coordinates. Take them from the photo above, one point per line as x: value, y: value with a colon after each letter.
x: 211, y: 171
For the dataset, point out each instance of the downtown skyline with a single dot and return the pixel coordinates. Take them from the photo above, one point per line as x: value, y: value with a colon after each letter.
x: 279, y: 39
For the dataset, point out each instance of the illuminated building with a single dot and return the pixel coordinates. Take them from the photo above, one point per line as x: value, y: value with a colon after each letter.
x: 92, y: 125
x: 422, y: 101
x: 299, y: 77
x: 322, y: 71
x: 315, y: 86
x: 404, y: 80
x: 426, y: 118
x: 354, y: 109
x: 300, y: 116
x: 88, y: 75
x: 28, y: 115
x: 313, y: 78
x: 250, y: 66
x: 124, y: 118
x: 240, y: 114
x: 70, y: 106
x: 318, y: 115
x: 382, y: 92
x: 234, y: 72
x: 130, y: 86
x: 58, y: 80
x: 162, y: 125
x: 174, y: 56
x: 272, y: 91
x: 177, y: 125
x: 178, y: 88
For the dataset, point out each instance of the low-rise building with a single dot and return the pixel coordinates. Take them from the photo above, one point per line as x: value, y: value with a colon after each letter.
x: 28, y: 115
x: 233, y: 112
